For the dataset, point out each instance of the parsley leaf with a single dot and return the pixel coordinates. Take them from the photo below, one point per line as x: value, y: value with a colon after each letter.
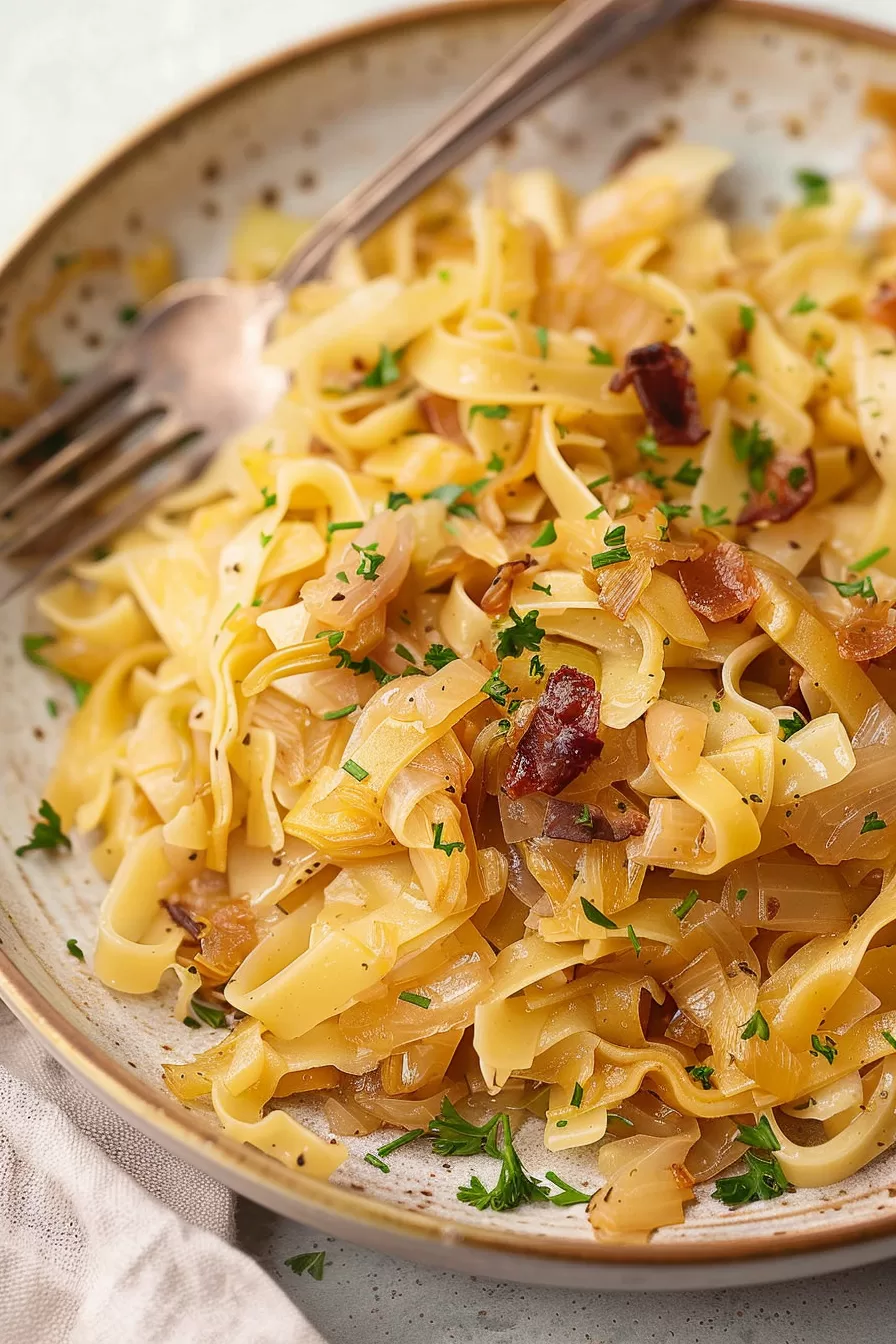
x: 74, y: 949
x: 453, y: 1136
x: 688, y: 473
x: 397, y: 499
x: 524, y: 633
x: 747, y: 316
x: 872, y: 822
x: 497, y: 689
x: 856, y: 588
x: 371, y: 559
x: 804, y: 304
x: 598, y: 356
x: 499, y: 412
x: 385, y: 370
x: 701, y: 1073
x: 439, y: 656
x: 760, y: 1135
x: 514, y: 1185
x: 568, y: 1195
x: 48, y: 833
x: 647, y: 446
x: 541, y: 336
x: 612, y: 557
x: 826, y: 1048
x: 312, y: 1262
x: 755, y: 1026
x: 755, y: 448
x: 714, y: 517
x: 268, y: 500
x: 790, y: 726
x: 763, y: 1179
x: 212, y: 1017
x: 816, y: 187
x: 547, y: 536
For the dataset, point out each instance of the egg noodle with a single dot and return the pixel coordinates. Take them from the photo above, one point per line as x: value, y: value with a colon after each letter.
x: 505, y: 724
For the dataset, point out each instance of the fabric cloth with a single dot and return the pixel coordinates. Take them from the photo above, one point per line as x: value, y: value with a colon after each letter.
x: 105, y: 1238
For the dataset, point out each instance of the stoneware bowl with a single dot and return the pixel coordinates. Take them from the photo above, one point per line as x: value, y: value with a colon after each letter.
x: 782, y: 91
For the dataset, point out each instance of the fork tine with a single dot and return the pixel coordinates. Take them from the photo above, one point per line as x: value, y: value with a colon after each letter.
x: 79, y: 450
x: 163, y: 437
x: 185, y: 466
x: 74, y: 403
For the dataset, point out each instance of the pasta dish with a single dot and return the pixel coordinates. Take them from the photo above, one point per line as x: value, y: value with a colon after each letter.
x: 503, y: 732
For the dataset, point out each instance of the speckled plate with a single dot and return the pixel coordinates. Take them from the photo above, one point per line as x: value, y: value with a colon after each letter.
x: 781, y: 90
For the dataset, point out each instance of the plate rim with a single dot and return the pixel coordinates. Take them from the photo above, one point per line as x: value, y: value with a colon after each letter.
x: 337, y: 1209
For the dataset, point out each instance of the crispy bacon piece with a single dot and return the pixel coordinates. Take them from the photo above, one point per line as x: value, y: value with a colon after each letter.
x: 661, y: 374
x: 440, y: 413
x: 496, y: 598
x: 863, y: 638
x: 882, y: 306
x: 721, y: 585
x: 564, y: 821
x: 789, y: 485
x: 561, y: 739
x: 184, y: 920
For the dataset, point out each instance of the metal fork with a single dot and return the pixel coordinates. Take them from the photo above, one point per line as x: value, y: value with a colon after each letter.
x: 191, y: 368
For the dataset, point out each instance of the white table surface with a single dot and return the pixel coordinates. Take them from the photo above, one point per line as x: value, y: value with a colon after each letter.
x: 76, y: 76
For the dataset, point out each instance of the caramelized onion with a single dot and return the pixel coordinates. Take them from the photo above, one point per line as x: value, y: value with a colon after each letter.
x: 496, y: 598
x: 342, y: 606
x: 661, y: 374
x: 882, y: 305
x: 440, y: 413
x: 721, y: 585
x: 864, y: 638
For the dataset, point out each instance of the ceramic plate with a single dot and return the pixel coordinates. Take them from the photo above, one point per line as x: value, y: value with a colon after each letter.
x: 780, y: 90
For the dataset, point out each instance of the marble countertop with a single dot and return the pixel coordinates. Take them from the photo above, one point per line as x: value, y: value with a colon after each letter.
x: 76, y: 78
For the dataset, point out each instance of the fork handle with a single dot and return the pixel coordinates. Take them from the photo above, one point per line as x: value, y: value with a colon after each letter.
x: 574, y: 37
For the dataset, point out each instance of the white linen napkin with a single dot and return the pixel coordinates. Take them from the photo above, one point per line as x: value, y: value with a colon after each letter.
x: 105, y: 1238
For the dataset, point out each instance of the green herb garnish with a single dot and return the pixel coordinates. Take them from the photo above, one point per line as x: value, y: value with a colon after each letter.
x: 499, y: 412
x: 595, y: 916
x: 384, y: 371
x: 48, y: 833
x: 312, y: 1263
x: 524, y: 633
x: 701, y: 1073
x: 418, y: 1000
x: 872, y: 822
x: 547, y: 535
x: 74, y: 949
x: 679, y: 911
x: 816, y: 187
x: 598, y: 356
x: 439, y: 656
x: 340, y: 713
x: 356, y: 771
x: 448, y: 846
x: 755, y: 1026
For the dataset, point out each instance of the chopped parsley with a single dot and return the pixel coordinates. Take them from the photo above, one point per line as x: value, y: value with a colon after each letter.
x: 568, y: 1195
x: 499, y: 412
x: 595, y: 916
x: 747, y: 315
x: 342, y: 576
x: 333, y: 637
x: 755, y: 1026
x: 790, y: 726
x: 268, y: 500
x: 742, y: 366
x: 449, y: 495
x: 804, y: 304
x: 74, y: 949
x: 634, y: 939
x: 397, y: 499
x: 616, y: 556
x: 524, y: 633
x: 356, y: 771
x: 815, y: 186
x: 31, y: 647
x: 872, y: 822
x: 128, y: 314
x: 647, y: 446
x: 446, y: 846
x: 343, y: 527
x: 52, y: 709
x: 679, y: 911
x: 370, y: 558
x: 856, y: 588
x: 714, y: 517
x: 760, y: 1135
x: 514, y: 1185
x: 444, y: 275
x: 439, y: 656
x: 205, y: 1012
x: 312, y: 1263
x: 340, y: 713
x: 495, y: 463
x: 740, y: 894
x: 670, y: 511
x: 598, y: 356
x: 755, y: 448
x: 547, y: 535
x: 537, y: 668
x: 542, y: 588
x: 870, y: 559
x: 826, y: 1048
x: 47, y: 833
x: 688, y: 473
x: 405, y: 654
x: 701, y: 1073
x: 265, y: 538
x: 763, y: 1179
x: 496, y: 689
x: 796, y: 476
x: 541, y: 336
x: 584, y: 818
x: 453, y: 1136
x: 578, y: 1094
x: 385, y: 370
x: 418, y: 1000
